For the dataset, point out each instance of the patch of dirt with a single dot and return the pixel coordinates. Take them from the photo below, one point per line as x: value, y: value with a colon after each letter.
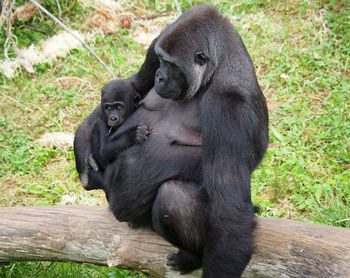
x: 67, y: 82
x: 8, y: 190
x: 272, y: 104
x: 25, y: 12
x: 148, y: 28
x: 106, y: 21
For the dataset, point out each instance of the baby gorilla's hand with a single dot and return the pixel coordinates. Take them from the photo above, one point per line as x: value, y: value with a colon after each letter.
x: 142, y: 132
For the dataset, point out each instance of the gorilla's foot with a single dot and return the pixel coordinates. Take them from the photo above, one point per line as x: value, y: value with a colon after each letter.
x: 184, y: 261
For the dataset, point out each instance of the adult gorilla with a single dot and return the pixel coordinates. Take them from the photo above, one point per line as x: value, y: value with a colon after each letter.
x: 190, y: 180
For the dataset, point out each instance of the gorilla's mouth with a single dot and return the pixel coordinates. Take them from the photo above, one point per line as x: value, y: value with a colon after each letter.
x: 113, y: 123
x: 174, y: 95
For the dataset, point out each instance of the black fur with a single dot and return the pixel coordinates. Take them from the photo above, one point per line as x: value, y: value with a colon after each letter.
x: 119, y: 99
x: 190, y: 180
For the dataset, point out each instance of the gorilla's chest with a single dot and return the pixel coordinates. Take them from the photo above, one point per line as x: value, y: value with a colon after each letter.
x: 178, y: 121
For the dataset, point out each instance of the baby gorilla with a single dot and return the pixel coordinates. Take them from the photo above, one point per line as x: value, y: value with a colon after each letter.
x: 119, y: 100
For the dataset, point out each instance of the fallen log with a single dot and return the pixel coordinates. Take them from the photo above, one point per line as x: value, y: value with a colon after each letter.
x: 285, y: 248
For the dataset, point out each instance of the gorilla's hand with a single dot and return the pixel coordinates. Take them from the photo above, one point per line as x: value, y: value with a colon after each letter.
x: 142, y: 133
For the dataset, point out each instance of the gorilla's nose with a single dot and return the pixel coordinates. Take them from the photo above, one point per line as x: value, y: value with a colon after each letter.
x: 114, y: 118
x: 161, y: 79
x: 113, y: 121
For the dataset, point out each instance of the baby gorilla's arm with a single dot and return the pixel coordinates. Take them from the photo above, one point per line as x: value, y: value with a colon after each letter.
x: 110, y: 149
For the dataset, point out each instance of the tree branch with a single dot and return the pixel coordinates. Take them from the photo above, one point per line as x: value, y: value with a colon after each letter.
x: 285, y: 248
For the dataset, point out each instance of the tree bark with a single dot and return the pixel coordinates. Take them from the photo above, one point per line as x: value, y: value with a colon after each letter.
x: 284, y: 248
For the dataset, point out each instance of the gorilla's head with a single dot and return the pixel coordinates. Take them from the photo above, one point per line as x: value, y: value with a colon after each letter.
x: 180, y: 79
x: 118, y: 100
x: 187, y: 54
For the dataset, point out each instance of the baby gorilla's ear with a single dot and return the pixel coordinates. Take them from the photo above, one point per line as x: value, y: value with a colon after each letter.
x: 137, y: 100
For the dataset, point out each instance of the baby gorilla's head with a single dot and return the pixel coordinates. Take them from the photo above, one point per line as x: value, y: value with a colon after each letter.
x: 118, y: 100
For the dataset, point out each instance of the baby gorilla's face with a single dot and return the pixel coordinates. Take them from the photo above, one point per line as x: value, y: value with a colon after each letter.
x: 114, y: 112
x: 118, y: 101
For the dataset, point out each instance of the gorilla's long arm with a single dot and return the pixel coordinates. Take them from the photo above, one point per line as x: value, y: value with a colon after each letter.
x: 143, y: 80
x: 228, y: 161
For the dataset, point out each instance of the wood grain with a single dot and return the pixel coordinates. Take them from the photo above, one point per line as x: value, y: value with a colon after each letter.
x: 284, y: 248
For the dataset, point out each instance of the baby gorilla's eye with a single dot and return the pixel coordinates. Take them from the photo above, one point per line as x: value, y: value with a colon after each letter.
x: 119, y: 107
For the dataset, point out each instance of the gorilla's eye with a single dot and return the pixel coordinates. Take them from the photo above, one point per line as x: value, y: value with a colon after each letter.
x: 200, y: 58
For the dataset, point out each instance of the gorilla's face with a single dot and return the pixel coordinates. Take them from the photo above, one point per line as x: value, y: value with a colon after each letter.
x: 170, y: 81
x: 118, y: 101
x: 179, y: 78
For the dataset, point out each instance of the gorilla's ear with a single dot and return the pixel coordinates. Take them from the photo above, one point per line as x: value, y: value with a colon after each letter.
x: 200, y: 58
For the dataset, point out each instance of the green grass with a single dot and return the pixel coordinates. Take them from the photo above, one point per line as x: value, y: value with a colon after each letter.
x: 62, y: 270
x: 307, y: 176
x: 301, y: 50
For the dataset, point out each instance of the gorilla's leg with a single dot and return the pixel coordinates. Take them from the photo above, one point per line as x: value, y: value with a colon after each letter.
x: 132, y: 182
x: 179, y: 215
